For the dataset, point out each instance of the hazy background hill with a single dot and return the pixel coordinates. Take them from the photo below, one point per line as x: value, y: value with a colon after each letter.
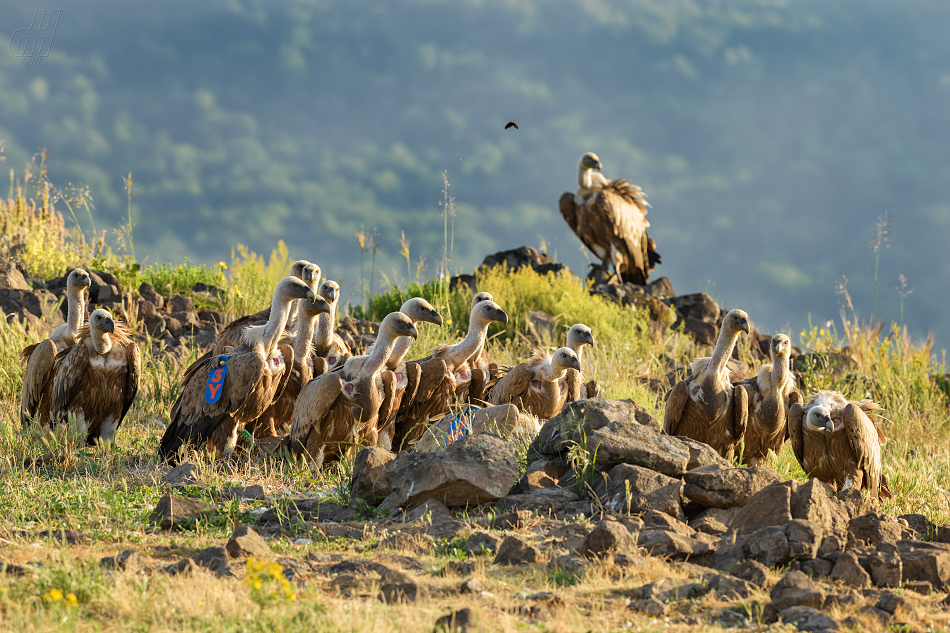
x: 769, y: 135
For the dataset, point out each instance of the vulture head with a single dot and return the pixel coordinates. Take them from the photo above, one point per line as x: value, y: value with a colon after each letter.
x: 579, y: 335
x: 290, y: 288
x: 101, y: 321
x: 818, y: 418
x: 590, y: 160
x: 736, y: 321
x: 564, y: 359
x: 398, y: 324
x: 78, y: 280
x: 309, y: 273
x: 488, y: 311
x: 312, y: 308
x: 418, y: 309
x: 481, y: 296
x: 781, y: 346
x: 330, y: 290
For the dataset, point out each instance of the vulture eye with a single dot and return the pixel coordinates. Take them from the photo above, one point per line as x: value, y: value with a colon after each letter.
x: 511, y: 124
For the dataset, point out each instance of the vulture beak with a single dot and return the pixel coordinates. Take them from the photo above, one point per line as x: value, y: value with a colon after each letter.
x: 312, y: 296
x: 598, y: 166
x: 744, y: 325
x: 86, y: 281
x: 322, y: 307
x: 436, y: 318
x: 576, y: 364
x: 109, y: 326
x: 828, y: 422
x: 590, y: 339
x: 501, y: 316
x: 411, y: 330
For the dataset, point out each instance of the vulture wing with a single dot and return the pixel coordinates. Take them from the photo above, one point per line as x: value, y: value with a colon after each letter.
x: 72, y: 365
x: 740, y: 413
x: 576, y: 389
x: 865, y: 443
x: 569, y: 211
x: 37, y: 379
x: 313, y: 403
x: 133, y: 369
x: 513, y: 385
x: 623, y: 227
x: 794, y: 428
x: 675, y: 407
x: 233, y: 333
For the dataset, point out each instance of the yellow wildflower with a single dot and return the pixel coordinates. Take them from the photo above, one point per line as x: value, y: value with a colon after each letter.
x: 71, y: 599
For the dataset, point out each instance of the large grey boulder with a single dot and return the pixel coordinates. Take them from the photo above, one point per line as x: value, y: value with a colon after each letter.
x: 369, y: 482
x: 717, y: 486
x: 634, y: 489
x: 578, y: 419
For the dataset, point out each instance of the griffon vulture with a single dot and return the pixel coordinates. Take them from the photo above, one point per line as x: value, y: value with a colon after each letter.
x: 96, y: 379
x: 220, y: 394
x: 610, y: 218
x: 332, y: 409
x: 39, y: 358
x: 279, y: 413
x: 232, y: 333
x: 839, y: 442
x: 577, y: 337
x: 770, y: 395
x: 444, y: 376
x: 327, y: 344
x: 536, y: 386
x: 705, y: 406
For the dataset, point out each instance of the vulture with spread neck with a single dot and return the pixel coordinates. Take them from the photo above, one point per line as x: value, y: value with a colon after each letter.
x: 95, y: 381
x: 330, y: 351
x: 333, y: 409
x: 577, y: 337
x: 770, y: 394
x: 609, y: 216
x: 445, y: 376
x: 705, y: 406
x: 536, y: 386
x: 40, y: 358
x: 839, y: 442
x: 232, y: 333
x: 256, y: 371
x: 279, y: 413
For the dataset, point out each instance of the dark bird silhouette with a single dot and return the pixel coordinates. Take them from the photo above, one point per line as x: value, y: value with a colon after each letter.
x: 511, y: 124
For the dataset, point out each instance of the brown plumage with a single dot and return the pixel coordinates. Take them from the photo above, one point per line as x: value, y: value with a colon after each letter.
x: 770, y: 394
x: 609, y: 216
x: 577, y: 389
x: 536, y: 386
x: 330, y: 351
x: 96, y: 380
x: 276, y: 419
x: 706, y: 407
x: 443, y: 376
x: 232, y: 334
x: 332, y: 410
x: 257, y: 371
x: 839, y: 442
x: 511, y: 124
x: 39, y: 358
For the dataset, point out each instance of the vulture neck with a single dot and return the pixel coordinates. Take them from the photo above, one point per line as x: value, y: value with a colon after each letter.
x: 379, y: 354
x: 324, y: 335
x: 76, y: 311
x: 279, y: 312
x: 720, y: 356
x: 303, y: 339
x: 779, y: 373
x: 101, y: 341
x: 576, y: 347
x: 553, y: 372
x: 399, y: 350
x: 585, y: 178
x: 471, y: 345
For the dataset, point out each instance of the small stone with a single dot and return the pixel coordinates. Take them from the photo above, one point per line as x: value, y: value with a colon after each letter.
x: 481, y: 543
x: 650, y: 606
x: 129, y: 560
x: 174, y: 512
x: 808, y: 619
x: 246, y: 542
x: 514, y: 551
x: 848, y: 570
x: 729, y: 587
x: 461, y: 621
x: 472, y: 585
x: 796, y: 590
x: 215, y: 559
x: 752, y: 571
x: 898, y: 606
x: 817, y: 567
x: 402, y: 541
x: 886, y: 566
x: 608, y: 536
x: 512, y: 520
x: 402, y: 592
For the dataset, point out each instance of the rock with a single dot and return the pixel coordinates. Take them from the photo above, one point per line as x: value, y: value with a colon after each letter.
x: 650, y: 607
x: 886, y: 566
x: 661, y: 288
x: 578, y: 419
x: 63, y: 537
x: 184, y: 567
x: 474, y: 469
x: 771, y: 506
x: 817, y: 567
x: 701, y: 454
x: 753, y: 572
x: 402, y: 541
x: 29, y: 307
x: 246, y: 542
x: 803, y: 539
x: 714, y: 520
x: 848, y: 570
x: 542, y: 473
x: 472, y: 585
x: 925, y: 528
x: 698, y: 306
x: 461, y: 621
x: 808, y: 619
x: 292, y: 510
x: 607, y: 537
x: 512, y: 520
x: 854, y: 502
x: 873, y: 527
x: 702, y: 332
x: 641, y: 445
x: 369, y: 482
x: 254, y: 492
x: 769, y: 545
x: 718, y: 486
x: 129, y: 560
x: 516, y: 258
x: 481, y: 543
x: 796, y: 590
x: 514, y: 551
x: 147, y: 292
x: 812, y: 502
x: 11, y: 278
x: 655, y: 520
x: 175, y: 512
x: 178, y: 303
x: 544, y: 501
x: 154, y: 325
x: 108, y: 294
x: 634, y: 489
x: 726, y: 556
x: 429, y: 512
x: 667, y: 589
x: 670, y: 544
x: 211, y: 316
x: 898, y: 606
x: 181, y: 475
x: 728, y: 587
x: 215, y: 559
x: 402, y: 592
x: 502, y: 420
x: 926, y: 562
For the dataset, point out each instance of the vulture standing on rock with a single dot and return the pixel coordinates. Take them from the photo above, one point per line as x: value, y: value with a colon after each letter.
x: 232, y: 333
x: 330, y: 351
x: 770, y: 395
x: 536, y: 386
x: 96, y: 379
x: 610, y: 218
x: 706, y: 407
x: 240, y: 383
x: 39, y: 358
x: 446, y: 376
x: 278, y: 414
x: 333, y: 409
x: 838, y: 442
x: 577, y: 337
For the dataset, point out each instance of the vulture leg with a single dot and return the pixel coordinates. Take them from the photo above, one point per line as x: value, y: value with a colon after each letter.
x: 675, y: 406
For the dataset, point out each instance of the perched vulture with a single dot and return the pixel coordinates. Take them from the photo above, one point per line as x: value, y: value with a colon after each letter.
x: 96, y: 379
x: 705, y: 406
x: 254, y: 374
x: 279, y: 413
x: 39, y: 358
x: 333, y: 409
x: 839, y: 442
x: 327, y: 344
x: 444, y: 376
x: 610, y: 218
x: 232, y: 333
x: 407, y: 375
x: 536, y: 386
x: 577, y: 337
x: 770, y: 395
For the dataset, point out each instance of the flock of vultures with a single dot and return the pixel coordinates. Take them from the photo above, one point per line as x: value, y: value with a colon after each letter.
x: 284, y: 376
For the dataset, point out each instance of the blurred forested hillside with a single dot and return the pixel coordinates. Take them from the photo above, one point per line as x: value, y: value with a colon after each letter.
x: 768, y: 134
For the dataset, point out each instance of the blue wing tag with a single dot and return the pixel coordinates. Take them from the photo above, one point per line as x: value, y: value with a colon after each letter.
x: 216, y: 380
x: 461, y: 425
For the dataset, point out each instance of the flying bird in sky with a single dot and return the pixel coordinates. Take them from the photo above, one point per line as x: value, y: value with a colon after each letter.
x: 511, y: 124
